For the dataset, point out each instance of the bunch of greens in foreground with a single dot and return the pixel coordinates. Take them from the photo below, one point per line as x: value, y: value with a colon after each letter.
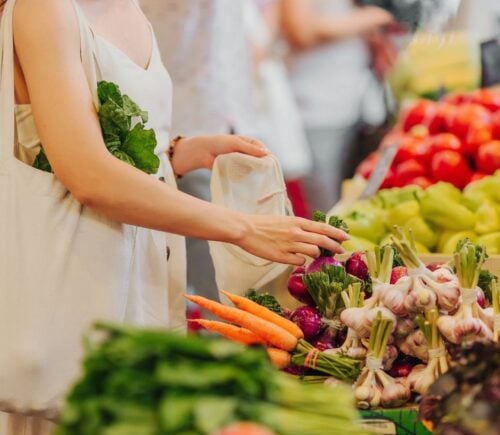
x: 123, y: 129
x: 148, y: 382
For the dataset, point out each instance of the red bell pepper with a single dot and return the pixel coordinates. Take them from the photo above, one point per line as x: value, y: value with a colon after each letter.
x: 423, y: 182
x: 488, y: 98
x: 412, y: 148
x: 466, y: 115
x: 451, y: 166
x: 443, y: 142
x: 408, y: 170
x: 495, y: 125
x: 479, y: 133
x: 423, y: 112
x: 488, y: 157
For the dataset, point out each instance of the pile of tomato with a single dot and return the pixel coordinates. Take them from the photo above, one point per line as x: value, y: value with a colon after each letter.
x: 456, y: 140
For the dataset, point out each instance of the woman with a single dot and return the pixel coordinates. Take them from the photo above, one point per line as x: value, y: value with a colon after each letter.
x: 102, y: 195
x: 331, y: 70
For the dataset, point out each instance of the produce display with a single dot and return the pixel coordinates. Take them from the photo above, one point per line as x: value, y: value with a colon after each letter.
x: 456, y: 140
x: 439, y: 216
x: 153, y: 382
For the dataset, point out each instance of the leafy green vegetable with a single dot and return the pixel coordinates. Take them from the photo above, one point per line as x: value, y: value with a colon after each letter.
x: 129, y: 142
x: 266, y: 300
x: 326, y: 286
x: 334, y: 221
x: 484, y: 282
x: 154, y: 382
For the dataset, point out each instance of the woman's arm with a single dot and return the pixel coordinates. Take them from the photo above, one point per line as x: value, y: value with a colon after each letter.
x: 304, y: 27
x: 48, y: 47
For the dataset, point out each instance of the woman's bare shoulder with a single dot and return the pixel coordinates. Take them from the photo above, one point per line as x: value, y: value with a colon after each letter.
x: 42, y: 21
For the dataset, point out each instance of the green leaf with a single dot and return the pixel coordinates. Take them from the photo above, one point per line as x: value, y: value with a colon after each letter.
x: 132, y: 109
x: 140, y: 145
x: 114, y: 120
x: 266, y: 300
x: 211, y: 413
x: 41, y: 162
x: 109, y: 91
x: 176, y: 413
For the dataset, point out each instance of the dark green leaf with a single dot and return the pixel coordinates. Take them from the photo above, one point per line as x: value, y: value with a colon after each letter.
x: 41, y: 162
x: 140, y: 145
x: 266, y: 300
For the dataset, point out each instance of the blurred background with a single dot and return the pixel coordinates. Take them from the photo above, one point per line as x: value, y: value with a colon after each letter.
x: 321, y: 82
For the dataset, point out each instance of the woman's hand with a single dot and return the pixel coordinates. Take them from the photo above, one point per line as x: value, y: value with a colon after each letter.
x: 201, y: 151
x: 289, y: 239
x: 384, y: 53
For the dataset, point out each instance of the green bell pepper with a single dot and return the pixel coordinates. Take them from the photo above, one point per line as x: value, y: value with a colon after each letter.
x: 422, y: 232
x: 445, y: 212
x: 355, y: 244
x: 366, y: 224
x: 491, y: 242
x: 448, y: 241
x: 445, y: 190
x: 389, y: 198
x: 487, y: 218
x: 402, y: 213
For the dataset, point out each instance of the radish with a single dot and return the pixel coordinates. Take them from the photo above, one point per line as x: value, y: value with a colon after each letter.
x: 308, y: 320
x: 357, y: 266
x: 398, y: 273
x: 297, y: 288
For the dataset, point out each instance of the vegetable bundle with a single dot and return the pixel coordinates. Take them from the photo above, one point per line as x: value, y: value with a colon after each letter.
x: 251, y: 323
x: 128, y: 141
x: 152, y: 382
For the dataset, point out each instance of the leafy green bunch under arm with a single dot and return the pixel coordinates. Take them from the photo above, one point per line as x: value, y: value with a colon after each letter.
x: 266, y: 300
x: 129, y: 142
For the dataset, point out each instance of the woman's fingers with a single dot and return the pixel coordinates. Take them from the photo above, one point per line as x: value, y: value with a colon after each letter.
x: 323, y: 229
x: 321, y: 241
x: 250, y: 146
x: 312, y: 251
x: 293, y: 259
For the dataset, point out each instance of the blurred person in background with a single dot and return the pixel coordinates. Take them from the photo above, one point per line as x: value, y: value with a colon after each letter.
x: 206, y: 51
x: 339, y: 57
x: 278, y: 119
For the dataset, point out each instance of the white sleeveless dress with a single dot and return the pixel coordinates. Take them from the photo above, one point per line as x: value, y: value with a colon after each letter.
x: 156, y: 276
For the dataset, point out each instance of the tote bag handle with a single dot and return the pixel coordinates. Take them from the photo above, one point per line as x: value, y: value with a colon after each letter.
x: 7, y: 98
x: 7, y: 129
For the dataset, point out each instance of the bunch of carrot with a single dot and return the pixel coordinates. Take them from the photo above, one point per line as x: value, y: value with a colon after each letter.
x: 250, y: 324
x: 253, y: 324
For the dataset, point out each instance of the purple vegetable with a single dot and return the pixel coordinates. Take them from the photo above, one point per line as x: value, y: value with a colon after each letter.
x: 317, y: 264
x: 401, y: 369
x: 295, y: 370
x: 357, y: 267
x: 309, y: 320
x: 298, y: 290
x: 326, y: 340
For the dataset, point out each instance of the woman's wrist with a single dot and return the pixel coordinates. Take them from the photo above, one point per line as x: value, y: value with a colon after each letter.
x: 175, y: 154
x: 236, y: 228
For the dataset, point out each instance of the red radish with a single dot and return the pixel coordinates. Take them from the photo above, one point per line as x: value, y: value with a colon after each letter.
x: 401, y: 369
x: 481, y: 299
x: 356, y: 266
x: 398, y: 273
x: 317, y: 264
x: 298, y: 290
x: 308, y: 320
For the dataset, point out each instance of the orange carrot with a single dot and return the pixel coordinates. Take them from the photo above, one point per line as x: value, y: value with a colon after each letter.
x: 280, y: 358
x: 232, y: 332
x: 249, y: 306
x: 269, y: 332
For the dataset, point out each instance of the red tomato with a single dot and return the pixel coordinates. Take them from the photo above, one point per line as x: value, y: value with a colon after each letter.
x: 488, y: 157
x: 443, y: 142
x: 451, y: 167
x: 409, y: 170
x: 487, y: 98
x: 392, y: 138
x: 466, y: 115
x: 444, y: 115
x: 477, y: 176
x: 495, y: 125
x: 423, y: 112
x: 457, y: 98
x: 366, y: 167
x: 423, y: 182
x: 479, y: 133
x: 412, y: 148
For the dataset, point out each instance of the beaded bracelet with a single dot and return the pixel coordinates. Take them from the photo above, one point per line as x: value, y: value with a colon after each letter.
x: 171, y: 151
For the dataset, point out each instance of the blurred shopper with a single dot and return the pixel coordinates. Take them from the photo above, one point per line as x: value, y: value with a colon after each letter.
x: 338, y: 50
x: 278, y: 119
x: 206, y: 51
